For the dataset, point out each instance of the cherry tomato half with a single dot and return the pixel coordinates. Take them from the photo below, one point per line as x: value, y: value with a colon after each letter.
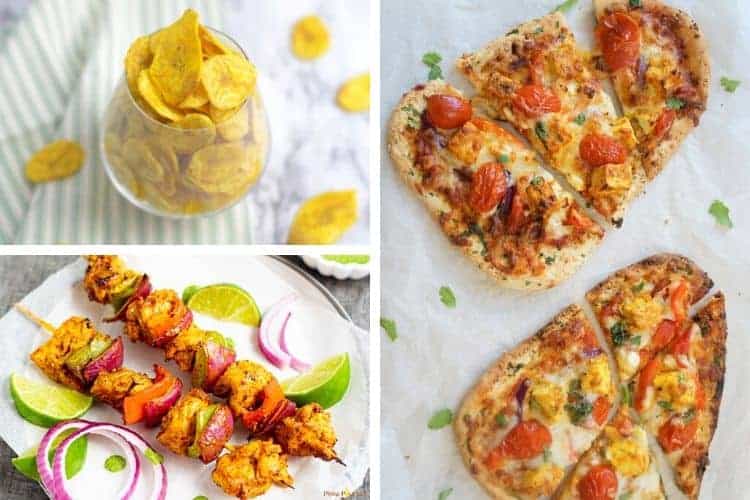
x: 448, y: 111
x: 535, y: 100
x: 620, y: 39
x: 677, y: 433
x: 527, y: 439
x: 599, y: 483
x: 599, y: 149
x: 488, y: 187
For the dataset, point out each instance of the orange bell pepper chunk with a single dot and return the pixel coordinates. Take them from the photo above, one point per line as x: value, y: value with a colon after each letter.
x: 272, y: 396
x: 132, y: 406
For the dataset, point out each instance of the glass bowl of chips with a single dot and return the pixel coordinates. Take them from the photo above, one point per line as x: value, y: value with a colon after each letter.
x: 186, y: 132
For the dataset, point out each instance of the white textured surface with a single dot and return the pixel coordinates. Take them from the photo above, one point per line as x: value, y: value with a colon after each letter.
x: 338, y: 270
x: 440, y: 352
x: 318, y: 333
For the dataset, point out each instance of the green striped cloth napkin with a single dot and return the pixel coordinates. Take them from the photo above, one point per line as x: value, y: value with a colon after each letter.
x: 59, y: 67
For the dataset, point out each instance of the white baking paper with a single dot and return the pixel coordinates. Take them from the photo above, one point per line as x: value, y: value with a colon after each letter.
x: 440, y: 352
x: 316, y: 330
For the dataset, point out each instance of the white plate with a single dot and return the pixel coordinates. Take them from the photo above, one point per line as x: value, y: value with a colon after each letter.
x: 338, y: 270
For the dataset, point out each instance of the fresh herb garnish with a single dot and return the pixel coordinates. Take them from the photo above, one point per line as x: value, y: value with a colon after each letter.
x: 475, y: 230
x: 549, y: 259
x: 729, y: 84
x: 689, y: 415
x: 516, y: 367
x: 447, y: 297
x: 635, y: 4
x: 547, y: 455
x: 675, y: 103
x: 503, y: 158
x: 721, y: 213
x: 537, y: 180
x: 115, y: 463
x: 541, y: 131
x: 626, y: 395
x: 565, y: 6
x: 413, y: 118
x: 153, y: 456
x: 619, y: 333
x: 666, y: 405
x: 580, y: 118
x: 635, y: 340
x: 501, y: 420
x: 432, y: 61
x: 440, y: 419
x: 626, y: 496
x: 390, y: 328
x: 512, y: 32
x: 201, y: 497
x: 577, y: 407
x: 445, y: 494
x: 639, y: 287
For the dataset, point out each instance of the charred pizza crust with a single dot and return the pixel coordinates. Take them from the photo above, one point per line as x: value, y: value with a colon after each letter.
x: 483, y: 239
x: 676, y: 47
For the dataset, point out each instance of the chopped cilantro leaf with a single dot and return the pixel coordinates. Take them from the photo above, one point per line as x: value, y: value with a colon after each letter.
x: 634, y: 4
x: 721, y: 213
x: 580, y: 118
x: 512, y: 32
x: 432, y: 58
x: 729, y: 84
x: 435, y: 73
x: 579, y: 410
x: 666, y: 405
x: 547, y: 455
x: 675, y: 103
x: 619, y: 333
x: 537, y: 181
x: 445, y: 494
x: 447, y: 297
x: 440, y: 419
x: 413, y: 119
x: 501, y: 420
x: 626, y: 395
x: 639, y: 287
x: 565, y: 6
x: 390, y: 328
x: 635, y: 340
x: 541, y: 131
x: 503, y: 158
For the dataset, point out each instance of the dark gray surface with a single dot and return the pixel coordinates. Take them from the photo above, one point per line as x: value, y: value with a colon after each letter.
x: 19, y: 275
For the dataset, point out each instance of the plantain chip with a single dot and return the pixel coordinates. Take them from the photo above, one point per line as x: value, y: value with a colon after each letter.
x: 55, y: 161
x: 236, y: 127
x: 137, y: 59
x: 354, y: 94
x: 229, y: 80
x: 255, y: 160
x: 196, y: 100
x: 219, y: 168
x: 324, y: 218
x: 196, y: 132
x: 151, y: 95
x: 310, y: 38
x: 221, y: 115
x: 210, y: 44
x: 178, y: 57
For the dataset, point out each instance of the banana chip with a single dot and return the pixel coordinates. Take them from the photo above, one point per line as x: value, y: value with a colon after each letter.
x: 354, y: 94
x: 310, y: 38
x: 219, y: 168
x: 229, y: 80
x: 196, y: 132
x: 236, y: 127
x: 196, y: 100
x: 324, y: 219
x: 151, y: 95
x: 138, y: 58
x: 211, y: 45
x: 55, y: 161
x: 178, y: 57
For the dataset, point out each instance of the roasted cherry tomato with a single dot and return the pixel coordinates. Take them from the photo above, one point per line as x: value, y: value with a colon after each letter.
x: 599, y: 149
x: 679, y: 302
x: 576, y: 219
x: 488, y: 187
x: 620, y: 40
x: 448, y: 111
x: 527, y: 439
x: 677, y: 433
x: 600, y: 410
x: 645, y: 380
x: 589, y: 339
x: 516, y: 215
x: 663, y: 123
x: 599, y: 483
x: 535, y: 100
x: 681, y: 346
x: 665, y: 332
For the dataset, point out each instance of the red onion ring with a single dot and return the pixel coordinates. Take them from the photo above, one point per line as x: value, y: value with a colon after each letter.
x: 42, y: 464
x: 294, y: 361
x: 141, y: 291
x: 273, y: 353
x: 521, y: 395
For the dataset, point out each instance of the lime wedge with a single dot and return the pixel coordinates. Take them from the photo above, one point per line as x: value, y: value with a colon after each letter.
x: 226, y: 302
x: 74, y: 460
x: 325, y: 384
x: 45, y: 405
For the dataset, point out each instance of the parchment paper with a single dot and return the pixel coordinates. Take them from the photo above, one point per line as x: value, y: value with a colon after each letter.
x: 440, y: 352
x: 315, y: 330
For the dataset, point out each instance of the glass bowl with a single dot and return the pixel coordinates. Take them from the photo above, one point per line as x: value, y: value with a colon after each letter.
x: 183, y: 172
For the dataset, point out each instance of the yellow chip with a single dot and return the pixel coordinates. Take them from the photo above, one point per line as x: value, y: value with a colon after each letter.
x: 178, y: 57
x: 324, y: 219
x: 196, y: 100
x: 310, y: 38
x: 152, y: 161
x: 138, y: 58
x: 220, y: 168
x: 236, y: 127
x: 255, y: 160
x: 55, y: 161
x: 197, y: 131
x: 151, y: 95
x: 221, y: 115
x: 229, y: 80
x: 211, y: 45
x: 354, y: 94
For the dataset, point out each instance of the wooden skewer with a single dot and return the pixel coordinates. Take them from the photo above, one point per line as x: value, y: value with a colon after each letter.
x: 36, y: 319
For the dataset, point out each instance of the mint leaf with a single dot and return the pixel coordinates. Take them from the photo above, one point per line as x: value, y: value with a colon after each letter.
x: 435, y: 73
x: 440, y: 419
x: 720, y: 213
x: 431, y: 58
x: 729, y: 84
x: 390, y: 328
x: 565, y: 6
x: 115, y: 463
x: 447, y: 297
x: 445, y: 494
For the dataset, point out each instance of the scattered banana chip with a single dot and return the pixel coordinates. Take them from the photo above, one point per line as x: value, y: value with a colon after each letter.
x: 354, y: 94
x: 236, y: 127
x: 138, y: 58
x: 216, y: 168
x: 229, y: 80
x: 151, y: 95
x: 178, y: 56
x: 196, y: 100
x: 310, y: 38
x: 55, y: 161
x: 324, y: 219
